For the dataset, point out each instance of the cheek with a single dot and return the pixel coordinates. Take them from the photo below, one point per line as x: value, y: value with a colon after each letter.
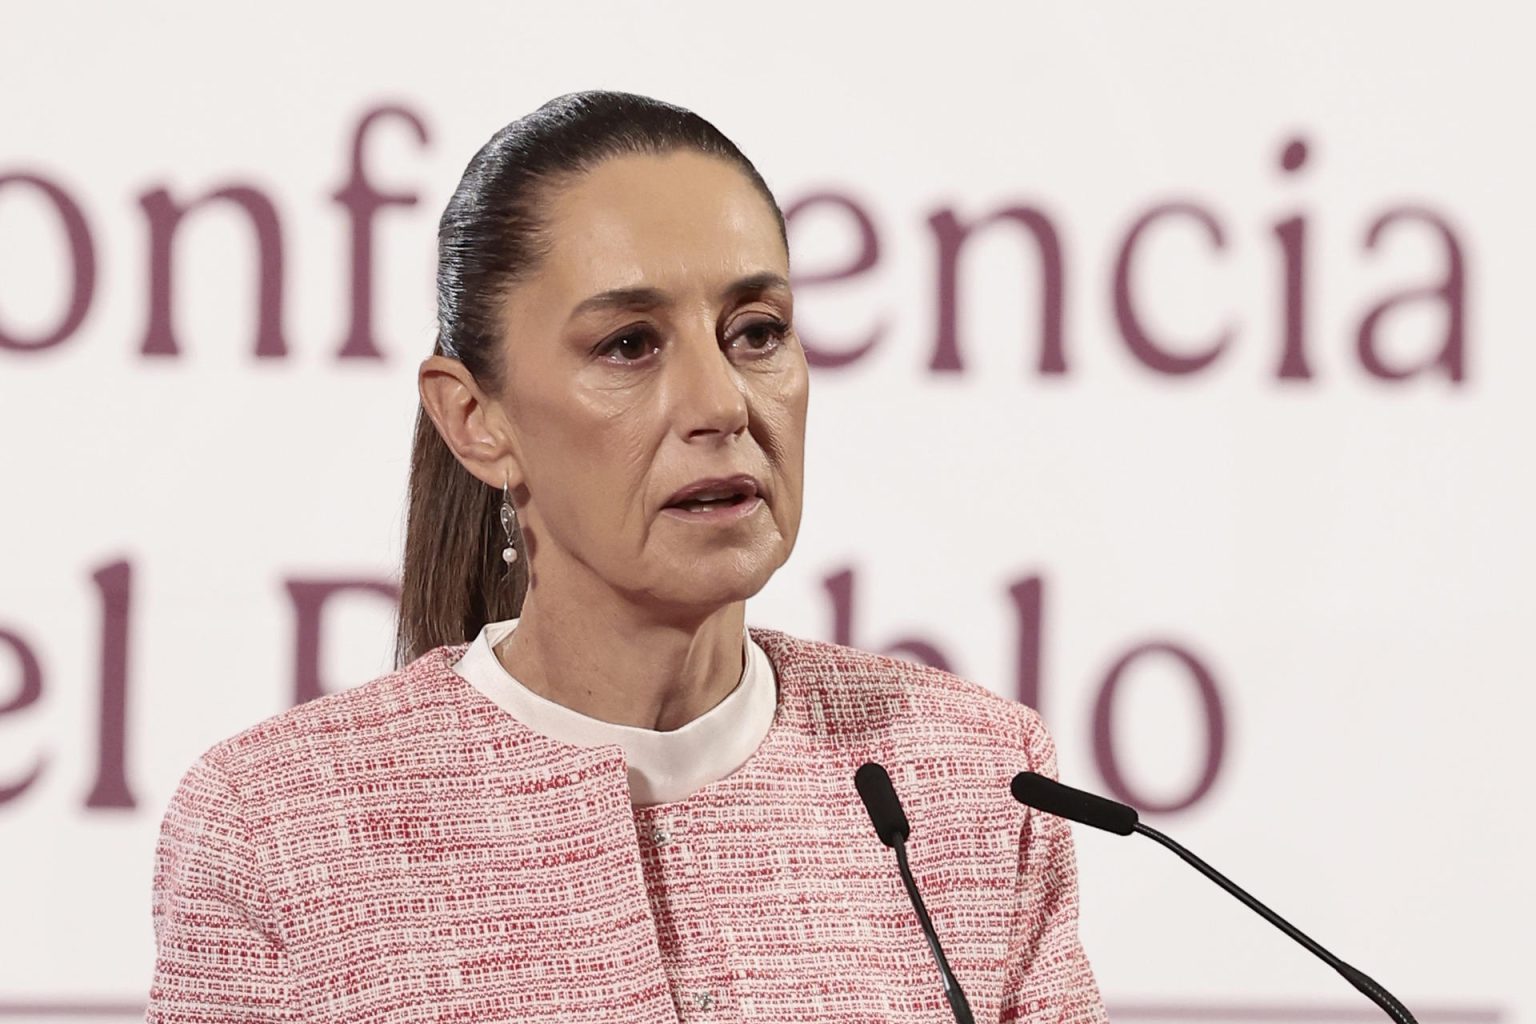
x: 590, y: 457
x: 784, y: 409
x: 781, y: 434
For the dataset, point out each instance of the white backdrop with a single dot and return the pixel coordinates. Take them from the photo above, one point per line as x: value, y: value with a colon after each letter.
x: 1345, y: 554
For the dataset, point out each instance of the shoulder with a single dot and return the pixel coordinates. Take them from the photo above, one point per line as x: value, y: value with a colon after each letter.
x: 862, y: 694
x: 398, y: 717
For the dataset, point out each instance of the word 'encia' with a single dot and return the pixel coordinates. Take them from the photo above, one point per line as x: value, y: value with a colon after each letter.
x: 949, y: 234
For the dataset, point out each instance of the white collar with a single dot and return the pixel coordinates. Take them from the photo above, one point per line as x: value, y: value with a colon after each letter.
x: 664, y: 767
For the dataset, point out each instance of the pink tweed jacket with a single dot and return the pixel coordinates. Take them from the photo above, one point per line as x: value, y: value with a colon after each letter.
x: 407, y: 851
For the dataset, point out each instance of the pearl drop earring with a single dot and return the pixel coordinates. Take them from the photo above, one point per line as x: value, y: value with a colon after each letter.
x: 508, y: 524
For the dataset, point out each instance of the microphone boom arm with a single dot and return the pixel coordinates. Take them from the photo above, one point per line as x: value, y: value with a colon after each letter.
x: 1359, y: 979
x: 958, y: 1004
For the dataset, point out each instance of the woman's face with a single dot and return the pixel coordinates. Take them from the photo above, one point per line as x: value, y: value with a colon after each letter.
x: 654, y: 387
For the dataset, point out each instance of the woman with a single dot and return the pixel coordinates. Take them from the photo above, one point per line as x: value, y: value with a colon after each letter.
x: 590, y: 794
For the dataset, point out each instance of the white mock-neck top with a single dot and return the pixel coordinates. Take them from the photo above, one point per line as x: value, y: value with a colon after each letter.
x: 664, y: 767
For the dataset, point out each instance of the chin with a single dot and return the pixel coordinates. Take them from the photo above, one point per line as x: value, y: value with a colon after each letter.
x: 708, y: 584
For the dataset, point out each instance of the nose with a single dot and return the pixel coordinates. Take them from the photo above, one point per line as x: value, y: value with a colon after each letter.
x: 710, y: 399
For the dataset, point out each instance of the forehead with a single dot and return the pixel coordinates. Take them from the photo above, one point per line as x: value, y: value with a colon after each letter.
x: 674, y: 221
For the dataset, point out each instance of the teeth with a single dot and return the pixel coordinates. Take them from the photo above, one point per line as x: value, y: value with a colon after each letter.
x: 704, y: 503
x: 704, y: 500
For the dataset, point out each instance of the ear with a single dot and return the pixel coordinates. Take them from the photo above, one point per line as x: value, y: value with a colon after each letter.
x: 472, y: 425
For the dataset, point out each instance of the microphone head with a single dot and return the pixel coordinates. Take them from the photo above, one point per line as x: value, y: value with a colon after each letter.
x: 880, y: 800
x: 1052, y: 797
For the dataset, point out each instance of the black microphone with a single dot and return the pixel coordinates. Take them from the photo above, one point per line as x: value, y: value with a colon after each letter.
x: 890, y: 822
x: 1052, y: 797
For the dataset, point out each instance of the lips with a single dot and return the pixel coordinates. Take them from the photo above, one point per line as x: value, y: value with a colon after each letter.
x: 715, y: 493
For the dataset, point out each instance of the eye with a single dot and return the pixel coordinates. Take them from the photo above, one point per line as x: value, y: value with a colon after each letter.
x: 759, y: 337
x: 631, y: 346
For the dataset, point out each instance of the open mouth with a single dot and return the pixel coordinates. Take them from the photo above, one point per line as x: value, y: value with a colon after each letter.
x: 713, y: 495
x: 707, y: 503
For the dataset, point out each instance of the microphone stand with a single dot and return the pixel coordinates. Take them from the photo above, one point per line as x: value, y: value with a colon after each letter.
x: 1362, y: 981
x: 957, y: 1001
x: 890, y: 821
x: 1046, y: 794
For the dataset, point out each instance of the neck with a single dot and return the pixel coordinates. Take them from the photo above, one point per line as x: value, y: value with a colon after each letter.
x: 622, y: 666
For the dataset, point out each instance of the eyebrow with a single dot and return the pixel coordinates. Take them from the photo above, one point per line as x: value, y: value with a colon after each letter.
x: 650, y: 298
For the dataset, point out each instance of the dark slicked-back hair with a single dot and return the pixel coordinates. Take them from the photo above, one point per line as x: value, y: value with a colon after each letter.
x: 493, y: 234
